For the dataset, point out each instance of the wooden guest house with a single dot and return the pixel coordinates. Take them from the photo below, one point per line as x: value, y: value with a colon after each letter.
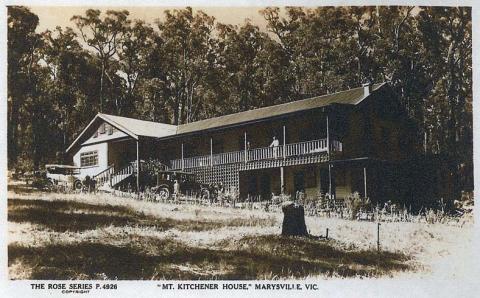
x: 340, y: 143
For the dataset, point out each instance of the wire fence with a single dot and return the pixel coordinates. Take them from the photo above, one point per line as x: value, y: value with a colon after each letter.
x: 352, y: 207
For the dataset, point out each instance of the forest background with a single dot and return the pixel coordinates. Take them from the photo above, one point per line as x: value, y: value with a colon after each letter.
x: 188, y: 66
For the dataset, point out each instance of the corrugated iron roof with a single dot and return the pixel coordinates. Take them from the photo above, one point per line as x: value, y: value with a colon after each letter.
x: 136, y: 127
x: 141, y: 127
x: 350, y: 97
x: 132, y: 127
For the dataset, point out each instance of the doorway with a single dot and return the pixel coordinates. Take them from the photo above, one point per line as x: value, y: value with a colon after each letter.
x: 324, y: 180
x: 265, y: 186
x: 299, y: 182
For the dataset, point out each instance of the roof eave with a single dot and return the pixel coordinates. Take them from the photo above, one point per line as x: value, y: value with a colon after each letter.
x: 119, y: 126
x: 249, y: 122
x: 106, y: 119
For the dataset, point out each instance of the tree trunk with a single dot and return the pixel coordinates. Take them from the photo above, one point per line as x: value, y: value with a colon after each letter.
x: 12, y: 131
x: 293, y: 220
x: 101, y: 86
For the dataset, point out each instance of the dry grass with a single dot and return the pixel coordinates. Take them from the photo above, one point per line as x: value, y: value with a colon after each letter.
x: 148, y: 258
x: 61, y: 216
x: 80, y: 236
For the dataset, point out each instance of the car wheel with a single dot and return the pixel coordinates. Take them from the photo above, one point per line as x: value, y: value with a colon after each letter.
x: 77, y: 185
x: 163, y: 193
x: 49, y: 185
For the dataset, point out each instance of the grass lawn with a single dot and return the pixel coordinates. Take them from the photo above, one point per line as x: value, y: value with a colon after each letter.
x: 99, y: 236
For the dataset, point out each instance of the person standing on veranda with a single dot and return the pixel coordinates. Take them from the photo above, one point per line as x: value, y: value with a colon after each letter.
x: 275, y: 143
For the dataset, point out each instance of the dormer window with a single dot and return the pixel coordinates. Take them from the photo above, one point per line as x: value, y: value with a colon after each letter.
x: 109, y: 129
x: 102, y: 128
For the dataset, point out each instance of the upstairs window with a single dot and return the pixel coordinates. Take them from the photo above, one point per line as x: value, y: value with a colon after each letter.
x: 102, y: 128
x: 89, y: 159
x: 109, y: 129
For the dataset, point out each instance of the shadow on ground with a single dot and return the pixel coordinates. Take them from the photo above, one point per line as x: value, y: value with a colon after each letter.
x: 65, y: 215
x: 259, y: 257
x: 174, y: 260
x: 61, y: 216
x: 22, y: 188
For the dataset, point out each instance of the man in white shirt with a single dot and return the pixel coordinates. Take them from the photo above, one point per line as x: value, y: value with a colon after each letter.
x: 275, y: 143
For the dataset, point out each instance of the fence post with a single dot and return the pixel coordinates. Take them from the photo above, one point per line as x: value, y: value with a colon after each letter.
x: 329, y: 179
x: 365, y: 181
x: 326, y: 235
x: 183, y: 162
x: 245, y: 146
x: 378, y: 237
x: 328, y: 139
x: 282, y: 180
x: 211, y: 152
x: 138, y: 167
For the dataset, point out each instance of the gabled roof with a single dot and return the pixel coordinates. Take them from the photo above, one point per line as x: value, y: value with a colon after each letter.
x: 140, y: 127
x: 132, y: 127
x: 136, y: 128
x: 348, y: 97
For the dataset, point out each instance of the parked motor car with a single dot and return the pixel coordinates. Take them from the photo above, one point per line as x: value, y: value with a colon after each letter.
x: 64, y: 175
x: 166, y: 180
x: 40, y: 180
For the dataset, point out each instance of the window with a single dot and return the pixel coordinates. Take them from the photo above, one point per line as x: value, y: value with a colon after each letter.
x: 109, y: 129
x: 95, y: 134
x: 102, y: 128
x: 89, y: 159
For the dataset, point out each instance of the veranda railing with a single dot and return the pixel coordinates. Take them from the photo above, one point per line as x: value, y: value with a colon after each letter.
x: 256, y: 154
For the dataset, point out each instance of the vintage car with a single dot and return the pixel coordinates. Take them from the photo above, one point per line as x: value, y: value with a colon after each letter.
x: 64, y: 175
x: 166, y: 180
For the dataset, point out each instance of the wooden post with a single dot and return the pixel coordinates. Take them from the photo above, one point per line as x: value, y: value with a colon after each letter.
x: 284, y: 142
x: 319, y: 180
x: 328, y: 139
x: 211, y: 152
x: 365, y: 181
x: 183, y: 162
x: 282, y: 180
x: 378, y: 236
x: 326, y: 234
x: 245, y: 147
x: 425, y: 137
x: 138, y: 166
x: 330, y: 179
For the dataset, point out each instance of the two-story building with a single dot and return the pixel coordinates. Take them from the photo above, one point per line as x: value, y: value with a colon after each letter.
x: 336, y: 143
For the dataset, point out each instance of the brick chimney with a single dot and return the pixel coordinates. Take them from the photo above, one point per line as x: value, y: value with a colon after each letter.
x: 367, y: 88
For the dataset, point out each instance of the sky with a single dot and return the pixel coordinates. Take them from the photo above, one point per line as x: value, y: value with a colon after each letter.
x: 52, y: 16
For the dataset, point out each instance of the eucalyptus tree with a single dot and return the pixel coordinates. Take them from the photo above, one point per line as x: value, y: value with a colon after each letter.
x: 192, y: 68
x: 133, y: 53
x: 23, y: 45
x: 152, y: 103
x: 314, y: 40
x: 186, y: 56
x: 253, y: 67
x: 62, y: 55
x: 446, y: 47
x: 104, y: 36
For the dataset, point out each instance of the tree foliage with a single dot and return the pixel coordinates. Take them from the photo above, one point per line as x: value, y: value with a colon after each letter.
x: 189, y: 67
